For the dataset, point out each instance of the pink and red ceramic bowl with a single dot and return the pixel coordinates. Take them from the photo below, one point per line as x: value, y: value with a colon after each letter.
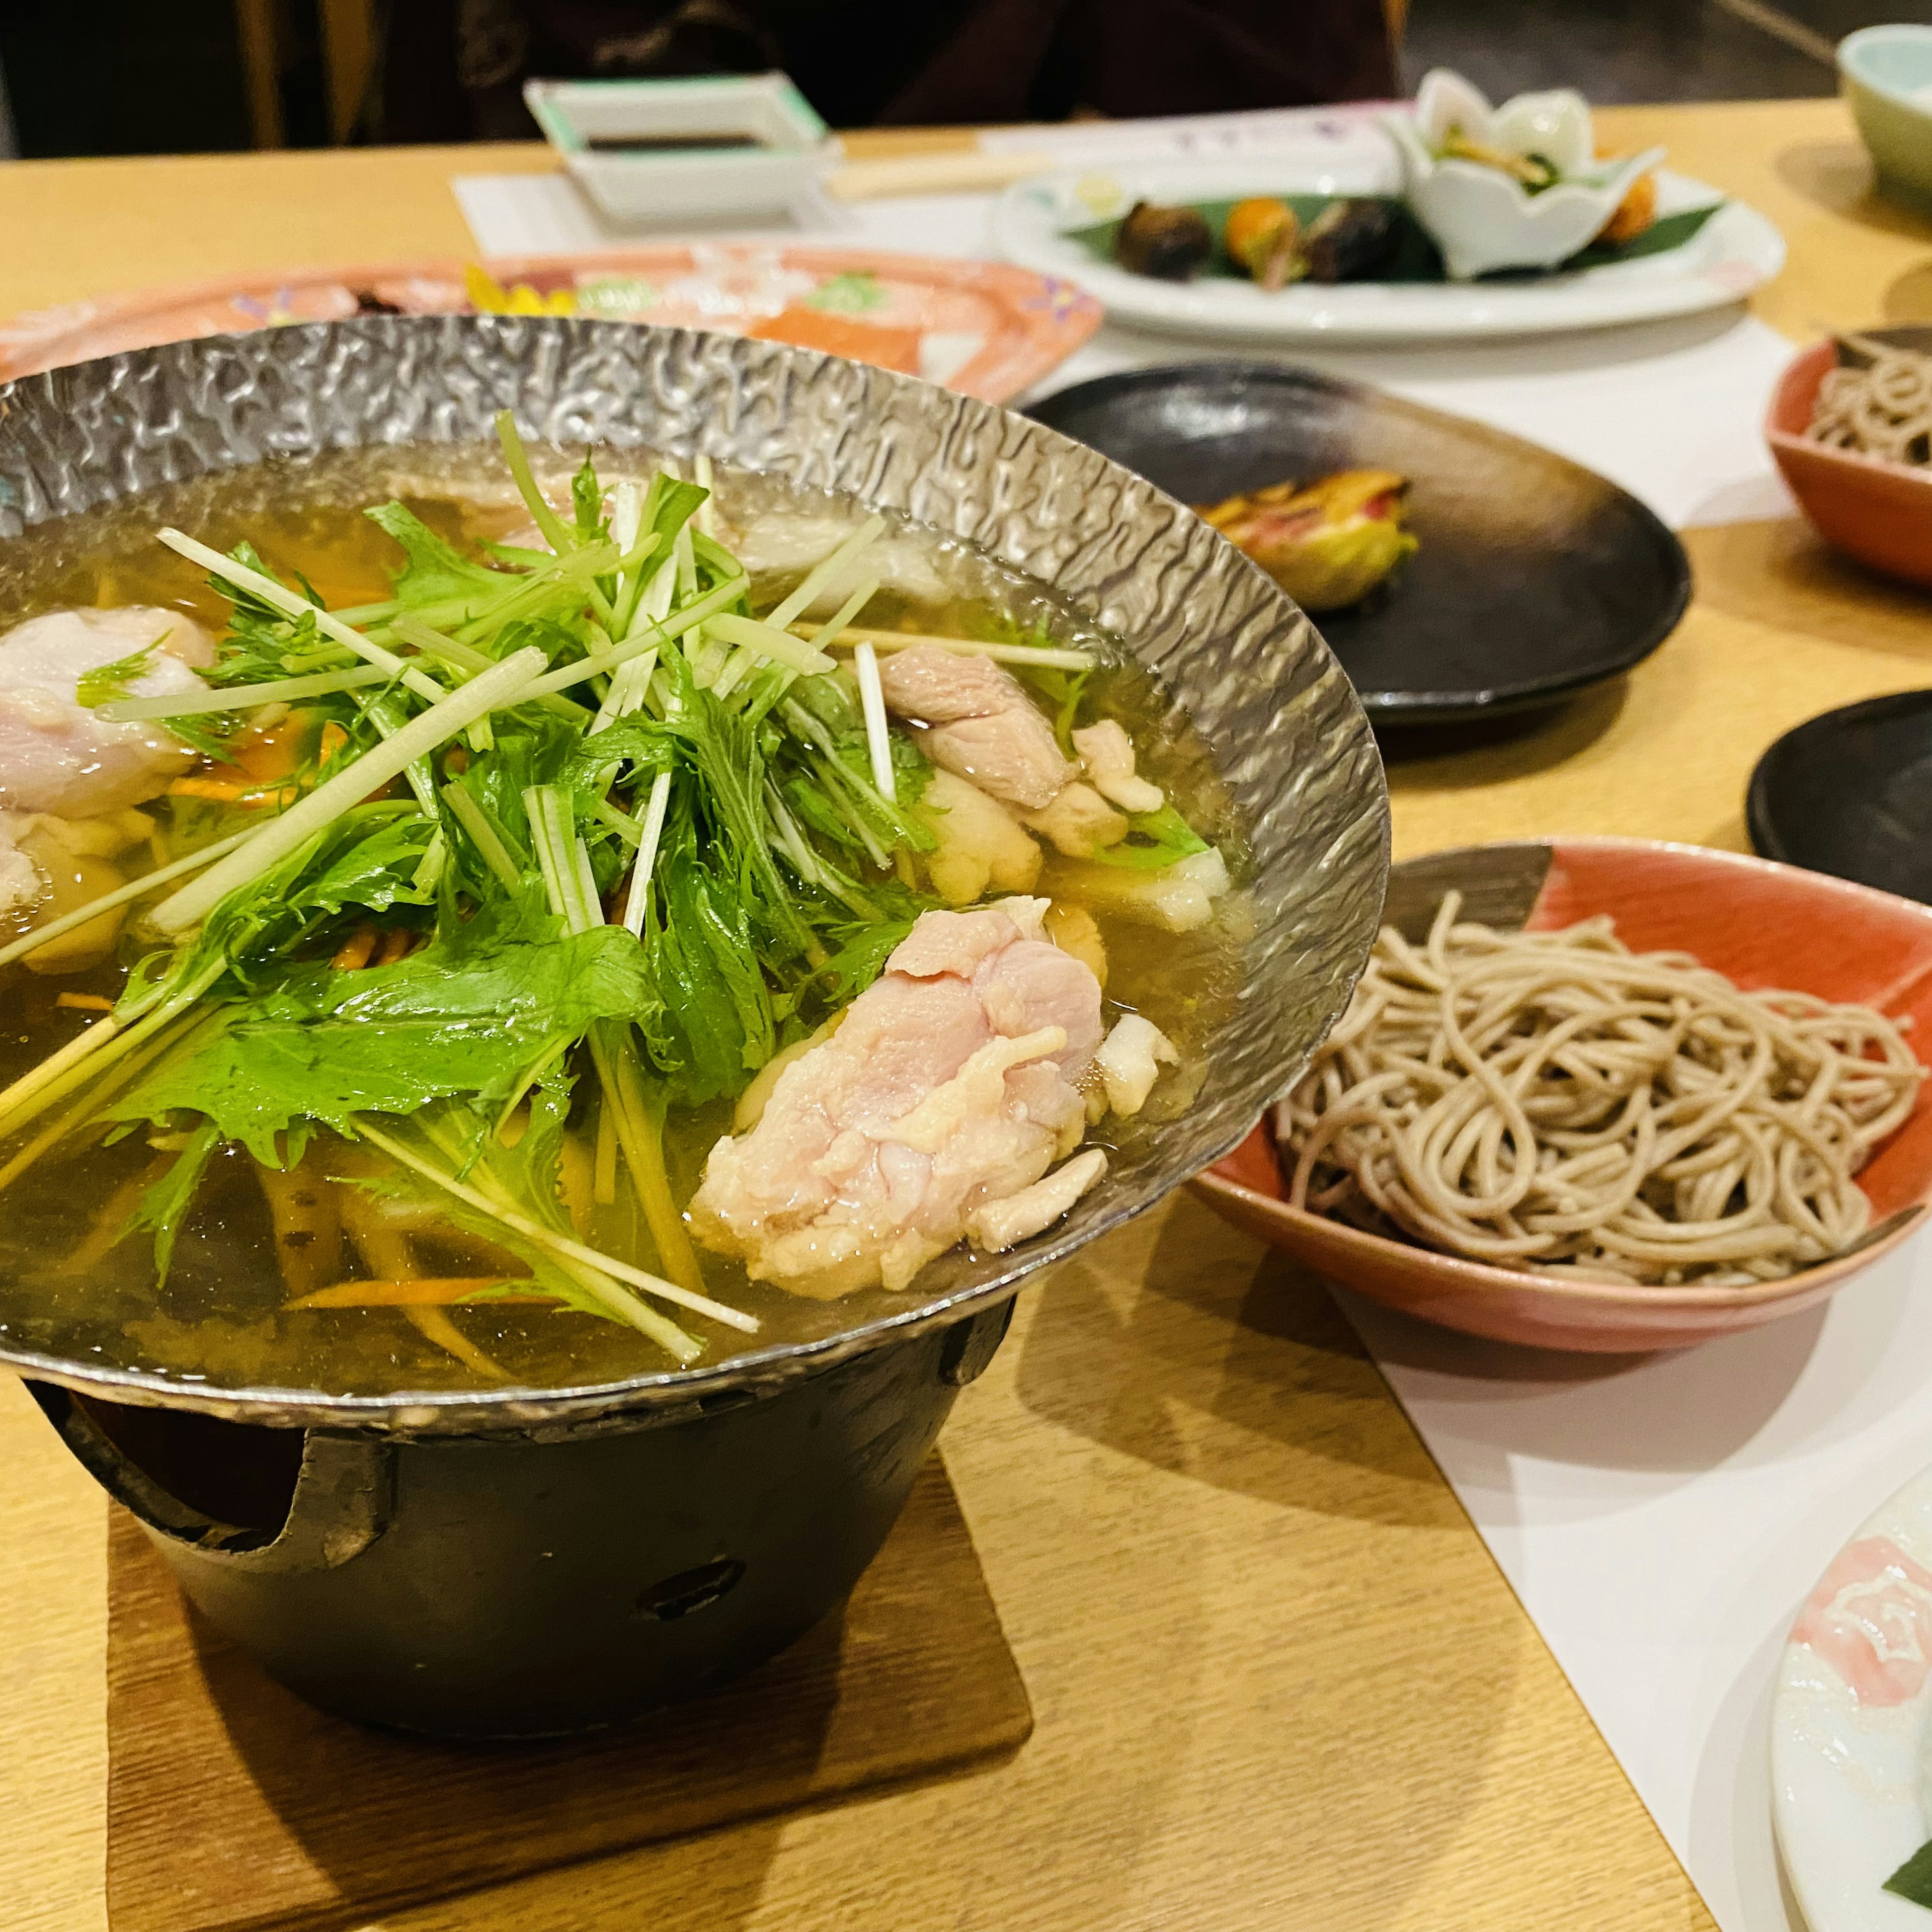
x: 1879, y: 512
x: 1764, y: 925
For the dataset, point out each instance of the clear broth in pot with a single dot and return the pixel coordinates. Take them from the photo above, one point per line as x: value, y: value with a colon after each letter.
x: 76, y: 1282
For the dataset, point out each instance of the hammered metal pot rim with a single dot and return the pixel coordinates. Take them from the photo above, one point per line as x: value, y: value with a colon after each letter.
x: 77, y: 437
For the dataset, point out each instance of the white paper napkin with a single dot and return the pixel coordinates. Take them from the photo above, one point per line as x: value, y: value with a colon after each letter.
x: 548, y: 215
x: 1663, y: 1519
x: 1352, y: 125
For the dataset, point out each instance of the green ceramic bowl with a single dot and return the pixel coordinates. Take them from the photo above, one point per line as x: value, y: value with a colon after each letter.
x: 1885, y: 73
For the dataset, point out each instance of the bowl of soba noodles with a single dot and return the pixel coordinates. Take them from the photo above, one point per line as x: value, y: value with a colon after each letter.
x: 1850, y: 428
x: 579, y: 906
x: 1608, y: 1095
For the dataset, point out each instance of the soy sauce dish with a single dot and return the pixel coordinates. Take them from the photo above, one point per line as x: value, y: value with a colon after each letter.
x: 582, y: 904
x: 1531, y: 578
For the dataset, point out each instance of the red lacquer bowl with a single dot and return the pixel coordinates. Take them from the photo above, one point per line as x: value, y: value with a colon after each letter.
x: 1879, y: 512
x: 1764, y: 925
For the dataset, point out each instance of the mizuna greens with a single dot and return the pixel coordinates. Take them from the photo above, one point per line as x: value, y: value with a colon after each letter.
x: 480, y: 885
x: 637, y: 838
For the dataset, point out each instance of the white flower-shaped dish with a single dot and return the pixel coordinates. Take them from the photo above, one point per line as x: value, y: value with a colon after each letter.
x: 1851, y: 1722
x: 1483, y: 219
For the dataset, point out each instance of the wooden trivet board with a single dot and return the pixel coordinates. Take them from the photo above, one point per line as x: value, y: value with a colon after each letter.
x: 234, y: 1806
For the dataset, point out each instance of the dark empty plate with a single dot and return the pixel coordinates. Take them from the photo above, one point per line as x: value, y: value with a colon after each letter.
x: 1535, y: 578
x: 1850, y: 794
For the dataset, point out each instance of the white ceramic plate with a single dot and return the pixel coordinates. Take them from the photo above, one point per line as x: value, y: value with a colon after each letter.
x: 1850, y: 1794
x: 1735, y: 251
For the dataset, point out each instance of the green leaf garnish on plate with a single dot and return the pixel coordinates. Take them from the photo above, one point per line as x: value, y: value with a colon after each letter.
x: 1412, y: 256
x: 1913, y: 1879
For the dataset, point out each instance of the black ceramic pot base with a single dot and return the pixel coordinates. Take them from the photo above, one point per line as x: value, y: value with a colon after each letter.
x: 1849, y: 792
x: 1536, y: 578
x: 232, y: 1804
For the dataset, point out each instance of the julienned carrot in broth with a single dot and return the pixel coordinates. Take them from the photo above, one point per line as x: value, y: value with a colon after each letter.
x: 472, y: 892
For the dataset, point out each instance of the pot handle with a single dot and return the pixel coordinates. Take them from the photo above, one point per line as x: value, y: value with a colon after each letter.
x: 971, y: 1344
x: 308, y: 1501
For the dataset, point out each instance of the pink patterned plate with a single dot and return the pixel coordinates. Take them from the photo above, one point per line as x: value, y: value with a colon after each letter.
x: 1850, y: 1795
x: 981, y: 328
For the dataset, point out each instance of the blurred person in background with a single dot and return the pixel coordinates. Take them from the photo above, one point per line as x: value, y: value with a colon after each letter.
x: 453, y: 70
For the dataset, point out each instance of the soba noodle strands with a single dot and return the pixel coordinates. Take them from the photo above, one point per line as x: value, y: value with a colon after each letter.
x: 1882, y: 409
x: 1554, y: 1103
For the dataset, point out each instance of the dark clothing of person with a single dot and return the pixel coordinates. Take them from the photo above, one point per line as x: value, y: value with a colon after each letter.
x: 453, y: 70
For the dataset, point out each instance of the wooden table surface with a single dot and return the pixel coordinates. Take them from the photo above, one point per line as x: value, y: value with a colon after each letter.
x: 1280, y: 1683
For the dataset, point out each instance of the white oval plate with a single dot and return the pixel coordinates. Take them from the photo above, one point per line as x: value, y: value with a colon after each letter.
x: 1735, y: 251
x: 1850, y: 1795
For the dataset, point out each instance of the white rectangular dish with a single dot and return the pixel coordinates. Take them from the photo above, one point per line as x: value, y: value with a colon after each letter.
x: 669, y: 151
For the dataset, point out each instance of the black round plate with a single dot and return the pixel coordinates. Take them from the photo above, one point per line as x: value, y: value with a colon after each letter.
x: 1535, y: 578
x: 1849, y: 792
